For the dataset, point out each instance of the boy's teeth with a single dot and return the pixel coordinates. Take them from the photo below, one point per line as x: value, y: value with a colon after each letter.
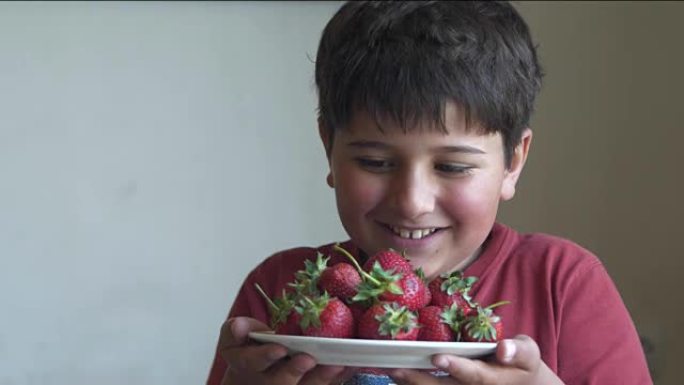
x: 412, y: 234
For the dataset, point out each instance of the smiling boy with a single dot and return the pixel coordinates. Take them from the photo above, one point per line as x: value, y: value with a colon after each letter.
x: 431, y: 191
x: 424, y: 112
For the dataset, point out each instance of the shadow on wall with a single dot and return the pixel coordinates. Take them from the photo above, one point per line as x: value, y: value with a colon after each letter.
x: 649, y: 351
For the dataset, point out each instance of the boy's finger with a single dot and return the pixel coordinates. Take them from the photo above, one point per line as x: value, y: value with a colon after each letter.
x: 516, y: 355
x: 413, y: 377
x: 520, y: 352
x: 347, y: 373
x: 323, y: 375
x: 469, y: 371
x: 255, y: 358
x: 292, y: 370
x: 235, y: 350
x: 234, y: 332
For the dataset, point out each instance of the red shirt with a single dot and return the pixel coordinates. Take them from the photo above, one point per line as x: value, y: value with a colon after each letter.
x: 560, y: 294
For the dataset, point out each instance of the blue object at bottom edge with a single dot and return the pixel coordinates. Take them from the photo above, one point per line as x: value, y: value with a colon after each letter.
x: 379, y: 379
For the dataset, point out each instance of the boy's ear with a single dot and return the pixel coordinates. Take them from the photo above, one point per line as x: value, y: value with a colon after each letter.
x: 518, y: 159
x: 326, y: 139
x: 324, y: 134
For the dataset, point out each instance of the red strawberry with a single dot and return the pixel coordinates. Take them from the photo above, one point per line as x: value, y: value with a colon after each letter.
x: 413, y: 292
x: 428, y: 295
x: 389, y: 284
x: 340, y: 280
x: 484, y: 325
x: 390, y: 261
x: 324, y: 316
x: 358, y: 308
x: 448, y: 289
x: 291, y: 326
x: 373, y: 283
x: 284, y: 319
x: 439, y: 324
x: 388, y: 321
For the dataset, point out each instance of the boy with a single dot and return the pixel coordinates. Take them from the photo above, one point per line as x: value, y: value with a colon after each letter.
x: 424, y: 110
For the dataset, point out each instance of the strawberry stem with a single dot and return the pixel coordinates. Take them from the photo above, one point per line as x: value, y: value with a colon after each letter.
x: 492, y: 306
x: 268, y: 300
x: 363, y: 273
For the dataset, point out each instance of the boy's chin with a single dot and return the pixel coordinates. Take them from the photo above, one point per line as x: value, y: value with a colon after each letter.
x: 427, y: 264
x: 434, y: 266
x: 430, y: 271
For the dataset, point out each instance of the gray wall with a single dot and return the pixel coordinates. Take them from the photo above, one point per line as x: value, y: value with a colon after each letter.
x: 152, y: 153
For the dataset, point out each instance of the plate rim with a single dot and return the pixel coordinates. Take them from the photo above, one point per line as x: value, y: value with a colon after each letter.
x: 395, y: 354
x: 379, y: 343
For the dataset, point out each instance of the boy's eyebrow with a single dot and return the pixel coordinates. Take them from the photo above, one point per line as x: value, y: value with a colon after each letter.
x: 447, y: 149
x: 462, y: 148
x: 367, y: 144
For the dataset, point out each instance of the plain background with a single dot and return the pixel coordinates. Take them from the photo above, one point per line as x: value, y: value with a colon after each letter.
x: 151, y: 154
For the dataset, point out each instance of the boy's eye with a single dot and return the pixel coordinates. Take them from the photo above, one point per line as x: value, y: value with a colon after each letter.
x: 374, y: 164
x: 455, y: 169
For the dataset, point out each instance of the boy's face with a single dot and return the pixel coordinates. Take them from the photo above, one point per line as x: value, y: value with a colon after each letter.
x: 431, y: 194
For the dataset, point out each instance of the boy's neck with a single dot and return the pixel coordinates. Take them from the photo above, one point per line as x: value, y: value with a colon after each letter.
x: 468, y: 261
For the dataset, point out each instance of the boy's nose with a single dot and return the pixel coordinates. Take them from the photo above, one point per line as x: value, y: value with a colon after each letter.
x: 413, y: 195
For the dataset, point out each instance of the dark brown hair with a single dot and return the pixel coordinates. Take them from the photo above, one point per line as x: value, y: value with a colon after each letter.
x: 405, y: 60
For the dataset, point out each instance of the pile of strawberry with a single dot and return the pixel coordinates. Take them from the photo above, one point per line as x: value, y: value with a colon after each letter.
x: 385, y: 299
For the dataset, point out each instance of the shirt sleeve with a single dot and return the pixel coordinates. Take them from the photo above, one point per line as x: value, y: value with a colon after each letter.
x: 598, y: 342
x: 246, y: 304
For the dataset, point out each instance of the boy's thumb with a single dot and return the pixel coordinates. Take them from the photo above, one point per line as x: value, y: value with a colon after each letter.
x: 520, y: 351
x: 235, y: 331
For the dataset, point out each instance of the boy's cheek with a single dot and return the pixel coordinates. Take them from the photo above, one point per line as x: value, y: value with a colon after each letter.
x: 355, y: 185
x: 355, y: 197
x: 468, y: 207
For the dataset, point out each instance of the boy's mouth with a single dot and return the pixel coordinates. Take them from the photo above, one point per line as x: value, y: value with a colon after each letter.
x: 406, y: 233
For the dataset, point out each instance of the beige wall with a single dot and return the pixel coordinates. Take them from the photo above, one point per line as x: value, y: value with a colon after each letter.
x: 605, y: 167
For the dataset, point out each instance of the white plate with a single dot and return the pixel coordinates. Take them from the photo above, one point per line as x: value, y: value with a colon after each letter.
x: 374, y: 353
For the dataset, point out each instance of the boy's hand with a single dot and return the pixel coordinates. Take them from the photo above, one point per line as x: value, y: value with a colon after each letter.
x: 517, y: 362
x: 256, y: 364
